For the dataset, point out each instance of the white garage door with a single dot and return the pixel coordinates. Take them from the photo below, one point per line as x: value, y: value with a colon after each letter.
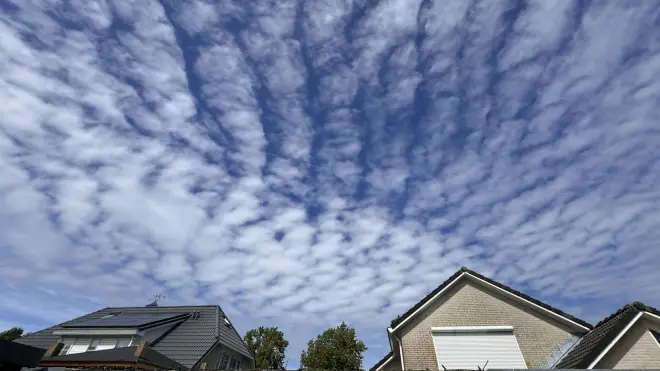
x: 472, y: 348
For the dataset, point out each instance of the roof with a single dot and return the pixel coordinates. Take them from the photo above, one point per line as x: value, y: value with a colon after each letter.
x: 453, y: 277
x: 20, y: 354
x: 186, y: 343
x: 382, y: 361
x: 594, y: 343
x: 117, y: 355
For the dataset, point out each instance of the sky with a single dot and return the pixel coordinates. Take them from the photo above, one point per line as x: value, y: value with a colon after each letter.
x: 307, y: 163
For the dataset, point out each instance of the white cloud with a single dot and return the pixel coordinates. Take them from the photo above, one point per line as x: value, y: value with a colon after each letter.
x: 329, y: 161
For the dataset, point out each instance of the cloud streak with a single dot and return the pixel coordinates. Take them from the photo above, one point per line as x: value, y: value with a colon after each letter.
x: 312, y: 162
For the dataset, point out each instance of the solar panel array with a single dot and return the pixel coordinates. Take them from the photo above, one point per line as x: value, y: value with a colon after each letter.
x: 126, y: 320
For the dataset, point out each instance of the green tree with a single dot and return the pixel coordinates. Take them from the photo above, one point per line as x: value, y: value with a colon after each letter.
x: 335, y: 349
x: 11, y: 334
x: 268, y: 345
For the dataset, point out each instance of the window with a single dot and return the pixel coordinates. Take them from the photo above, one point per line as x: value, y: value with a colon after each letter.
x: 67, y: 345
x: 93, y: 344
x: 472, y: 347
x: 238, y: 365
x: 79, y: 346
x: 123, y: 343
x: 106, y: 344
x: 223, y: 362
x: 232, y: 363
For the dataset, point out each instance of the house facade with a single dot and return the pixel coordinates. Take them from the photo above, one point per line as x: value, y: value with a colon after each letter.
x: 173, y: 337
x: 471, y: 321
x: 627, y: 339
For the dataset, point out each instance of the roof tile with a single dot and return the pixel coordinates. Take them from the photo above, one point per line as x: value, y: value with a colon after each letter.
x: 186, y: 343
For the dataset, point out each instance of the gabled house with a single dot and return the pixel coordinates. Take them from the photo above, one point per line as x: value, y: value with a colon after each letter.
x: 471, y: 321
x: 627, y: 339
x: 172, y: 337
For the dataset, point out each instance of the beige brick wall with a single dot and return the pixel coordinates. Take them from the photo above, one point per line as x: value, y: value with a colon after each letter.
x: 470, y: 304
x: 637, y: 349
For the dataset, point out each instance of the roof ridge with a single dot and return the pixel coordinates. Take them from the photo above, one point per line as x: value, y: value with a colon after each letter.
x: 217, y: 321
x: 635, y: 304
x: 231, y: 325
x: 166, y: 306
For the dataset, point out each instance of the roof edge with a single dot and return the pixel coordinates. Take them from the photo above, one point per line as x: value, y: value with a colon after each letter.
x: 611, y: 337
x: 388, y: 358
x: 465, y: 271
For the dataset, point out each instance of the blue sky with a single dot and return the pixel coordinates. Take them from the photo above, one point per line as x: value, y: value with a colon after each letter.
x: 304, y: 163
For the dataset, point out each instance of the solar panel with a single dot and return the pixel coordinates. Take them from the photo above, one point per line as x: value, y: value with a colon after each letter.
x: 126, y: 320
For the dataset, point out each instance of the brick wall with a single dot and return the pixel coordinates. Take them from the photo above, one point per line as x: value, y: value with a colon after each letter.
x: 636, y: 349
x: 470, y: 304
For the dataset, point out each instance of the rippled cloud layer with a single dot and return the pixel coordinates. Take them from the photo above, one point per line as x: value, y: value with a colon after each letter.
x: 318, y: 161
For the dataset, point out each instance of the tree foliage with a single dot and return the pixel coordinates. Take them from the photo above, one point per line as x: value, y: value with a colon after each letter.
x: 268, y: 345
x: 335, y: 349
x: 11, y: 334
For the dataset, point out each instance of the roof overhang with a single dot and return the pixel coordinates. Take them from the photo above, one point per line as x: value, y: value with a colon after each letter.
x: 385, y: 363
x: 141, y: 356
x: 72, y: 364
x: 96, y: 331
x: 466, y: 275
x: 641, y: 315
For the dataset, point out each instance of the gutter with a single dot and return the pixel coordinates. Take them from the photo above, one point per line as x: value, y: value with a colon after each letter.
x: 391, y: 332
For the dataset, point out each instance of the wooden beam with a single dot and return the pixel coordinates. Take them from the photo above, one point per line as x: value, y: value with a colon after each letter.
x: 141, y: 349
x: 54, y: 350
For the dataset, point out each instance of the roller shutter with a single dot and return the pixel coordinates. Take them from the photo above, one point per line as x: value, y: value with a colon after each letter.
x: 471, y: 349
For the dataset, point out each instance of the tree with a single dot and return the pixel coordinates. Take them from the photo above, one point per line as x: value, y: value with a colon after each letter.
x: 268, y: 345
x: 11, y: 334
x: 335, y: 349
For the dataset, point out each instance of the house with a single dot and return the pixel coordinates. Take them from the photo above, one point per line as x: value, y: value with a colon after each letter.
x: 471, y: 321
x: 627, y: 339
x: 172, y: 337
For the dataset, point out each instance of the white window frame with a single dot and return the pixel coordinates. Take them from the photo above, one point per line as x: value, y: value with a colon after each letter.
x: 130, y: 342
x: 232, y: 359
x: 82, y: 340
x: 468, y: 329
x: 222, y: 357
x: 94, y: 342
x: 70, y: 341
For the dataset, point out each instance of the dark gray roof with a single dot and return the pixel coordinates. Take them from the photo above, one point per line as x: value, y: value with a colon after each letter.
x: 596, y: 340
x: 119, y: 355
x: 20, y: 354
x: 186, y: 343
